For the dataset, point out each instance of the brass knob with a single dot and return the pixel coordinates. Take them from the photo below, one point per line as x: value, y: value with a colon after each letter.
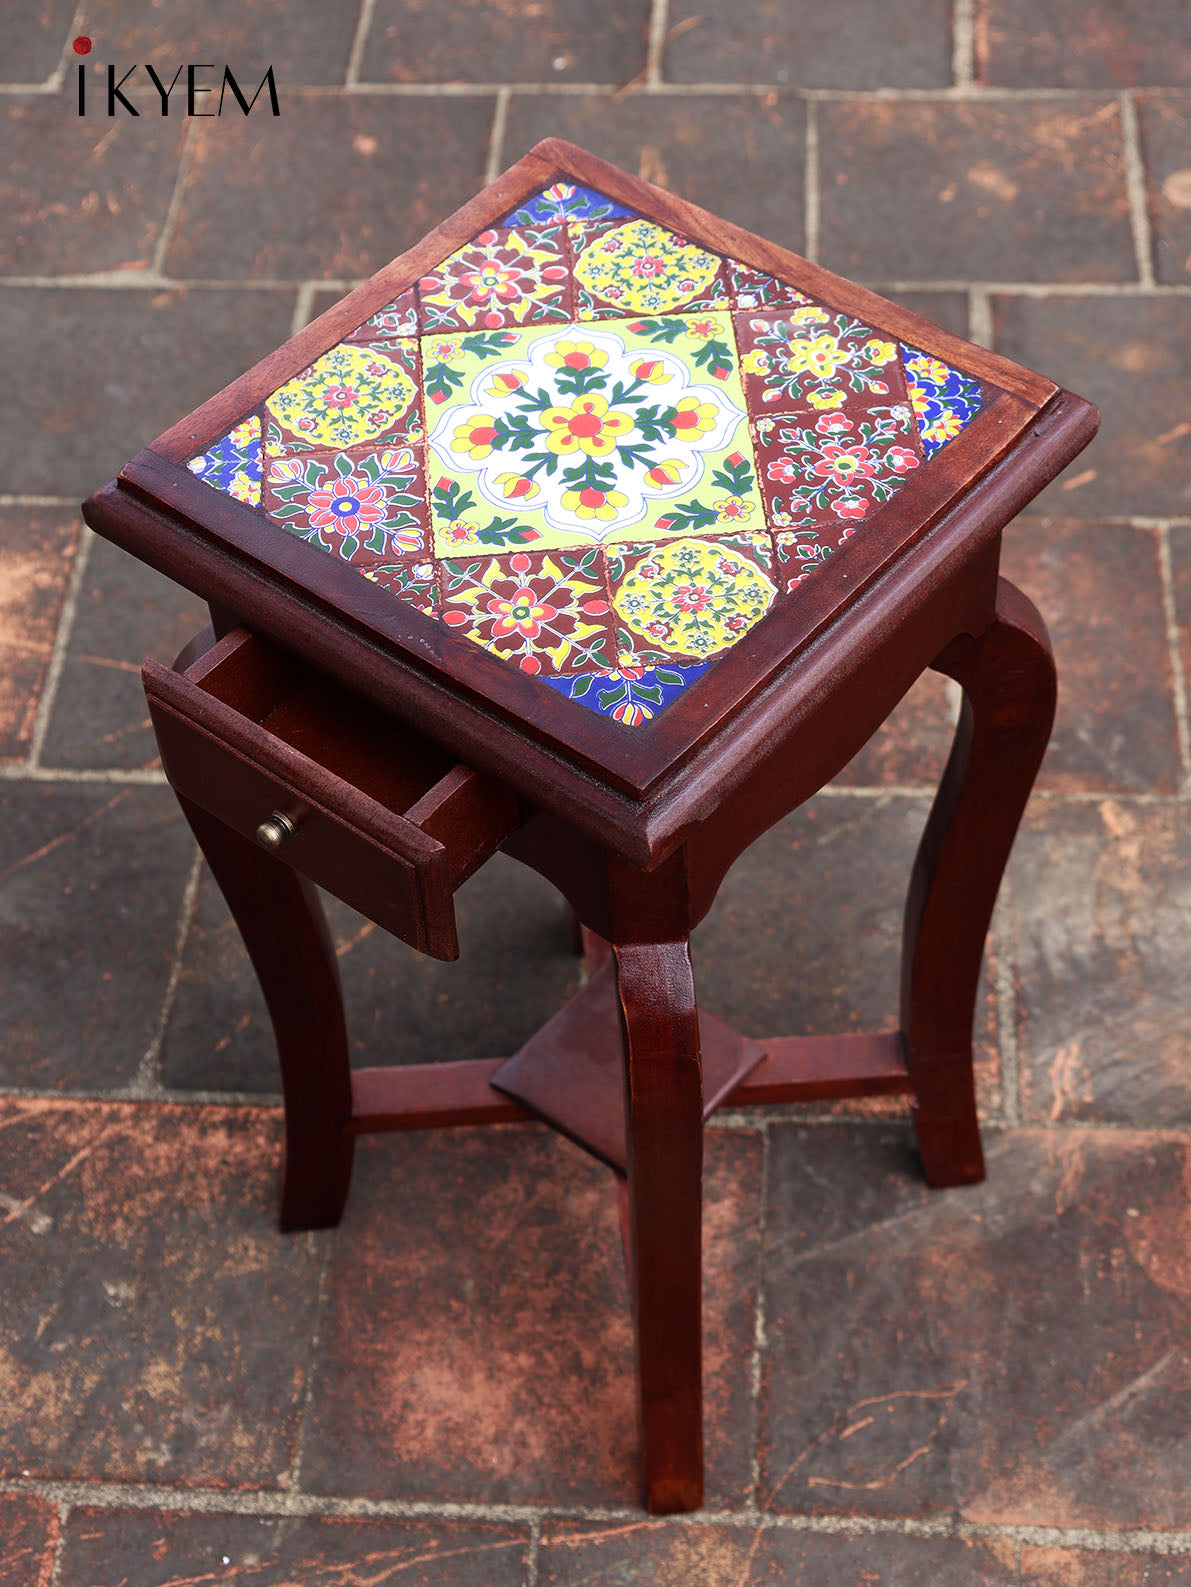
x: 271, y: 834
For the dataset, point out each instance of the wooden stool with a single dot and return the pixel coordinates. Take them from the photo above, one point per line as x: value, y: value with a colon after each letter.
x: 602, y: 532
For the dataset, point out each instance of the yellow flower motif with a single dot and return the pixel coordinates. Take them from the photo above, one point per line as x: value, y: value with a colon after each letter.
x: 588, y: 425
x: 668, y: 472
x: 755, y: 363
x: 809, y: 316
x: 590, y: 503
x: 878, y: 352
x: 515, y: 487
x: 732, y: 509
x: 577, y: 355
x: 827, y: 399
x: 693, y: 418
x: 476, y: 436
x: 244, y: 488
x: 822, y: 356
x: 928, y: 368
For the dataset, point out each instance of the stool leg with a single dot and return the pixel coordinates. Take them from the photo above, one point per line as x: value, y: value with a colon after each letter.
x: 282, y: 923
x: 1008, y: 678
x: 664, y: 1114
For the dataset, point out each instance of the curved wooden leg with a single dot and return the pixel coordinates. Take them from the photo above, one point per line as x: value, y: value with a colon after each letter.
x: 664, y: 1110
x: 282, y: 923
x: 1008, y: 679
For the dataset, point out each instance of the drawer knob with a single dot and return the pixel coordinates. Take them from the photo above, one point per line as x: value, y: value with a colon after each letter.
x: 271, y: 834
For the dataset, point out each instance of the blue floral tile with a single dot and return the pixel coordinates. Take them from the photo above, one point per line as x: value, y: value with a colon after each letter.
x: 944, y: 401
x: 565, y: 201
x: 233, y: 463
x: 629, y: 694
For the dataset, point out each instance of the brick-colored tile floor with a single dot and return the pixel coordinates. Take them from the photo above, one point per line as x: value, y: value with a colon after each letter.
x: 987, y: 1386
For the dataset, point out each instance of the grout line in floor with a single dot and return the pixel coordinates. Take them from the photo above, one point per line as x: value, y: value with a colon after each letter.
x: 1005, y: 991
x: 757, y: 1356
x: 1135, y: 187
x: 963, y: 45
x: 655, y: 47
x: 165, y: 236
x: 66, y: 619
x: 1182, y: 717
x: 496, y: 136
x: 812, y: 211
x: 359, y: 39
x: 147, y: 1083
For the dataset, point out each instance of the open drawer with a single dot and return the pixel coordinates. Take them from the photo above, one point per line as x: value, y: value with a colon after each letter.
x: 364, y: 806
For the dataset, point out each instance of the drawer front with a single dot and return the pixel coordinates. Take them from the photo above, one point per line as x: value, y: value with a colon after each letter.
x: 369, y: 857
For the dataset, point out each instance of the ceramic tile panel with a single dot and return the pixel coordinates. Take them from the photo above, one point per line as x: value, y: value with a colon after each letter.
x: 594, y: 448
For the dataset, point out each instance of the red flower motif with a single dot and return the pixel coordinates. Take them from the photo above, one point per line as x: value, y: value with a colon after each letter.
x: 523, y: 613
x: 901, y: 458
x: 843, y: 464
x: 850, y: 508
x: 691, y: 597
x: 833, y: 424
x: 783, y: 469
x: 649, y: 266
x: 340, y: 396
x: 346, y: 505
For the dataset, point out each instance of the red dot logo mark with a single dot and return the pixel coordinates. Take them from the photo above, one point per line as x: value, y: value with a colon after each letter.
x: 82, y: 45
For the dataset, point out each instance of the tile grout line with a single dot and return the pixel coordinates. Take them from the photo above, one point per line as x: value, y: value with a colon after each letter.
x: 1135, y: 188
x: 980, y: 320
x: 963, y: 44
x: 760, y: 1338
x: 811, y: 182
x: 532, y: 1555
x: 324, y: 1284
x: 53, y: 677
x: 167, y: 226
x: 64, y: 1509
x: 1005, y: 989
x: 302, y: 305
x: 655, y: 45
x: 280, y: 1504
x: 1182, y: 721
x: 496, y: 135
x: 148, y: 777
x: 146, y: 1084
x: 359, y: 39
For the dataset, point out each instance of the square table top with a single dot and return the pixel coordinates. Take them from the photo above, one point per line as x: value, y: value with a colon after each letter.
x: 587, y: 462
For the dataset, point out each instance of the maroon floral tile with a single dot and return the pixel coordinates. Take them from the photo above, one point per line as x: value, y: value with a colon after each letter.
x: 399, y: 318
x: 635, y: 266
x: 365, y: 506
x: 830, y: 473
x: 547, y: 611
x: 810, y: 357
x: 754, y: 289
x: 154, y: 1548
x: 504, y: 276
x: 412, y: 580
x: 350, y: 396
x: 688, y: 598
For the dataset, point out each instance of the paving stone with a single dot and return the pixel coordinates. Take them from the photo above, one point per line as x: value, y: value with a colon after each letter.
x: 116, y: 1548
x: 1082, y: 43
x: 990, y: 190
x: 803, y: 45
x: 1101, y: 916
x: 1099, y: 588
x: 516, y: 969
x: 28, y: 1540
x: 305, y: 41
x: 114, y: 369
x: 157, y: 1326
x: 512, y: 41
x: 1166, y: 148
x: 695, y: 1555
x: 948, y: 309
x: 37, y: 549
x: 437, y: 1379
x: 740, y: 157
x: 357, y: 180
x: 805, y: 935
x: 126, y: 611
x: 82, y: 193
x: 1079, y: 1567
x: 34, y: 39
x: 92, y: 880
x: 1014, y: 1353
x: 911, y: 747
x: 1131, y: 356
